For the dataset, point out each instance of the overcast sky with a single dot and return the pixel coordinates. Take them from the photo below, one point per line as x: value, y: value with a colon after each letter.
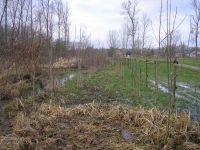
x: 100, y: 16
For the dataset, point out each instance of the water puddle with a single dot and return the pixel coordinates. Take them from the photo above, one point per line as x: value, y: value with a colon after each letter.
x: 162, y: 88
x: 186, y: 87
x: 61, y: 80
x: 188, y: 97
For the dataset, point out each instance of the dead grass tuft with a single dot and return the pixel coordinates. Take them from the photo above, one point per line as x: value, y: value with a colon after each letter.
x: 97, y: 126
x: 66, y: 63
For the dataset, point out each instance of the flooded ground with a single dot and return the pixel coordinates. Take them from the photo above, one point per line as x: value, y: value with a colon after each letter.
x: 60, y: 80
x: 187, y: 97
x: 12, y: 104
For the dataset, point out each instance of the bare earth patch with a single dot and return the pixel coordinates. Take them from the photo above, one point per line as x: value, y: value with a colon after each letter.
x: 101, y: 126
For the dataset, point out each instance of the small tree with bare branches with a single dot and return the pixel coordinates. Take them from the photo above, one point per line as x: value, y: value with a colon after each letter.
x: 196, y: 22
x: 130, y: 10
x: 113, y: 41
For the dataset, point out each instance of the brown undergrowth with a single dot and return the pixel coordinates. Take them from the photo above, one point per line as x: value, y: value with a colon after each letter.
x: 100, y: 126
x: 66, y: 63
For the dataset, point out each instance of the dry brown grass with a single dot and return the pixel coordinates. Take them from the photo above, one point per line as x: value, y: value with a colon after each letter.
x: 96, y: 126
x: 11, y: 90
x: 66, y: 63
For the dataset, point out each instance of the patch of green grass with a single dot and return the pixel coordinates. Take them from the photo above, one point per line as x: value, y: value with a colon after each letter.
x: 190, y: 61
x: 114, y: 83
x: 125, y: 82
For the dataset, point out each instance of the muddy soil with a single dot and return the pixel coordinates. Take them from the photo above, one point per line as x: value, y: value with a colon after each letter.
x: 13, y: 88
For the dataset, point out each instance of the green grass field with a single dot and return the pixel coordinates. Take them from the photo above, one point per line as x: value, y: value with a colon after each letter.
x: 125, y: 82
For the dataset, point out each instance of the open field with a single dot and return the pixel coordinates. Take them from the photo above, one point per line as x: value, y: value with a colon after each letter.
x: 119, y: 83
x: 98, y: 74
x: 106, y: 108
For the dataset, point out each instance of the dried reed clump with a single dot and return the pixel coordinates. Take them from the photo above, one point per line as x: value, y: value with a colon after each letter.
x: 66, y: 63
x: 97, y: 126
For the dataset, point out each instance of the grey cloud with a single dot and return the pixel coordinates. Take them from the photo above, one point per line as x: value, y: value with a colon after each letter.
x: 99, y: 16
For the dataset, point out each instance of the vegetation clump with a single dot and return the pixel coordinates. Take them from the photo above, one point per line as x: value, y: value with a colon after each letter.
x: 101, y: 126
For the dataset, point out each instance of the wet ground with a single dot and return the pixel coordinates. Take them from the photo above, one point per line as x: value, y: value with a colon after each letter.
x: 187, y: 97
x: 64, y: 78
x: 5, y: 121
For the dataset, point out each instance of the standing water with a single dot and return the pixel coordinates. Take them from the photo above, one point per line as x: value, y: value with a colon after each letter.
x: 188, y: 98
x: 61, y: 80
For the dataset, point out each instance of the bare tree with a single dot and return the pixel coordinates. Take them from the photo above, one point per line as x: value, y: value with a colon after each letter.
x: 48, y: 9
x: 66, y: 25
x: 130, y: 10
x: 113, y: 40
x: 3, y: 9
x: 160, y: 25
x: 145, y: 25
x: 59, y: 13
x: 6, y: 21
x: 39, y: 20
x: 124, y: 35
x: 26, y: 31
x: 13, y: 11
x: 84, y: 38
x: 175, y: 41
x: 183, y: 48
x: 196, y: 21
